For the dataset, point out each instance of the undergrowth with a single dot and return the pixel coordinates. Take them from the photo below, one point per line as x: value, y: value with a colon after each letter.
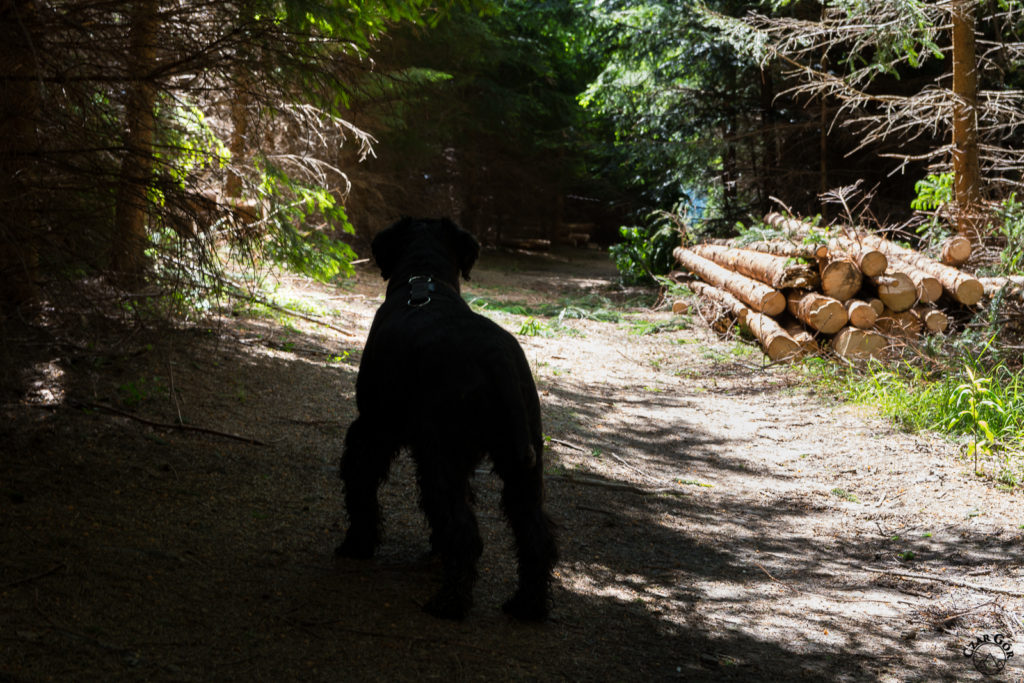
x: 977, y: 400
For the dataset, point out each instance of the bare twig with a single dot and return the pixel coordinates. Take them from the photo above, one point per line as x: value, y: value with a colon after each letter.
x: 35, y: 577
x: 942, y: 579
x: 164, y: 425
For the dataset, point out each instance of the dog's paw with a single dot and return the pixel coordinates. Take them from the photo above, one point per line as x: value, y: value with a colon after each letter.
x: 448, y: 605
x: 527, y: 606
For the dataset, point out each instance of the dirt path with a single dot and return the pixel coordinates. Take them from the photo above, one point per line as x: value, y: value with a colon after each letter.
x: 718, y: 521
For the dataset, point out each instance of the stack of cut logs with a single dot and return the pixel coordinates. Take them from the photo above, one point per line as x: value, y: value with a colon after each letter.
x: 864, y: 294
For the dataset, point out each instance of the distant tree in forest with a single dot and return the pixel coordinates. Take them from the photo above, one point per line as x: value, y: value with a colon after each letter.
x: 880, y: 63
x: 143, y: 132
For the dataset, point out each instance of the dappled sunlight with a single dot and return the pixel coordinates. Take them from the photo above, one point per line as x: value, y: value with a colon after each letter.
x: 45, y: 383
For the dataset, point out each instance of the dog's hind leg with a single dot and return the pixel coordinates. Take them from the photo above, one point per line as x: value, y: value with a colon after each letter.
x: 522, y: 501
x: 365, y: 462
x: 446, y: 498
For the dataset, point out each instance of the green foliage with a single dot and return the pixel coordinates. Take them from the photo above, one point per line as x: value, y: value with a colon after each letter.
x: 293, y: 242
x: 980, y: 399
x: 590, y: 307
x: 1010, y: 214
x: 972, y: 403
x: 934, y: 192
x: 186, y: 144
x: 645, y: 327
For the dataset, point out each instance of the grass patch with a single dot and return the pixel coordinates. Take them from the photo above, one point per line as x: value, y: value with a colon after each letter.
x: 590, y: 307
x: 979, y: 403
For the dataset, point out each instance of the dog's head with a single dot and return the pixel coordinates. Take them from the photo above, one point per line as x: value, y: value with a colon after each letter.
x: 425, y: 246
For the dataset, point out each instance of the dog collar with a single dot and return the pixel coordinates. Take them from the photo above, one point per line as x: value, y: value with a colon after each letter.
x: 421, y: 287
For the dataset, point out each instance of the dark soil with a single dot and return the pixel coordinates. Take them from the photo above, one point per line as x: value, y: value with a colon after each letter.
x: 718, y: 520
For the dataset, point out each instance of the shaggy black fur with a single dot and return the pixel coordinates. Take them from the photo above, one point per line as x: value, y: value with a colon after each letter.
x: 451, y: 386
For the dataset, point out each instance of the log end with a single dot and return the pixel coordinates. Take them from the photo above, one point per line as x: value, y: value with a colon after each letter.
x: 969, y: 291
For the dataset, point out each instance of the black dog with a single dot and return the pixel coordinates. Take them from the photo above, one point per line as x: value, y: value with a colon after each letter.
x: 451, y: 386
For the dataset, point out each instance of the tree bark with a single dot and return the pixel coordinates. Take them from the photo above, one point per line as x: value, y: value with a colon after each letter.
x: 777, y: 271
x: 19, y: 112
x: 966, y: 167
x: 129, y: 239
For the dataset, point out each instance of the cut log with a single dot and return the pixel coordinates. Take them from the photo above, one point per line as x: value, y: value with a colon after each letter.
x: 757, y: 295
x: 793, y: 225
x: 861, y: 313
x: 852, y: 342
x: 899, y: 324
x: 963, y: 287
x: 808, y: 344
x: 929, y: 289
x: 841, y: 279
x: 934, y: 320
x: 823, y: 313
x: 1014, y: 285
x: 778, y: 248
x: 871, y: 261
x: 877, y: 305
x: 723, y: 300
x: 956, y: 250
x: 896, y: 290
x: 775, y: 341
x: 777, y: 271
x: 679, y: 307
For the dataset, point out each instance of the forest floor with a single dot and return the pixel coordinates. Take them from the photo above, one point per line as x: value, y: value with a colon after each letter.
x: 718, y: 519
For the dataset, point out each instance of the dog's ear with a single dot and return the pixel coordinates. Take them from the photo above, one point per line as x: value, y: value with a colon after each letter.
x: 467, y: 249
x: 388, y: 244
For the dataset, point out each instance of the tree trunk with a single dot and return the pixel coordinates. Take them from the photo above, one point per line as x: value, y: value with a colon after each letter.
x: 956, y: 249
x: 129, y: 239
x: 239, y: 134
x: 963, y: 287
x: 861, y: 313
x: 966, y: 168
x: 19, y: 111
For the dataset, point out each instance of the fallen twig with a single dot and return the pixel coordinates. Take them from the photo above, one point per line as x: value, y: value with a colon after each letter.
x: 617, y: 458
x: 942, y: 579
x: 35, y: 577
x: 794, y: 590
x: 616, y: 485
x: 165, y: 425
